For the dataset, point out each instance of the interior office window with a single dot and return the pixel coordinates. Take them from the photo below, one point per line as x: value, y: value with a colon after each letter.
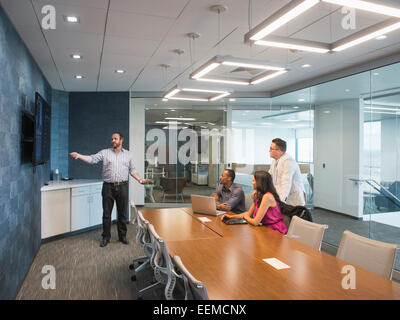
x: 304, y: 150
x: 372, y: 150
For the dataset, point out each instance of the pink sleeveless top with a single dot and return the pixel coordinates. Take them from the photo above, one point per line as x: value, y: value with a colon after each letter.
x: 273, y: 219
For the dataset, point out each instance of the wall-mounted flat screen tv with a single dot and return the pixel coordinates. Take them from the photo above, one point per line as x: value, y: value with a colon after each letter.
x: 41, y: 141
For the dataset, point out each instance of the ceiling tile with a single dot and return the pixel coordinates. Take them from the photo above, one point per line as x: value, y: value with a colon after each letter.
x: 167, y: 9
x: 137, y: 26
x: 91, y: 20
x: 129, y: 46
x: 100, y: 4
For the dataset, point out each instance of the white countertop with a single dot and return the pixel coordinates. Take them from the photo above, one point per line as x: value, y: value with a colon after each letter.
x: 58, y: 185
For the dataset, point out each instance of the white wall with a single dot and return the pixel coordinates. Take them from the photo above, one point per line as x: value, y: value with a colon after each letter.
x: 136, y: 146
x: 337, y: 132
x: 251, y: 146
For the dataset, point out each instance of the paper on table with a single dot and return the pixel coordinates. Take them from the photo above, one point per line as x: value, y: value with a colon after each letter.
x: 277, y: 264
x: 204, y: 219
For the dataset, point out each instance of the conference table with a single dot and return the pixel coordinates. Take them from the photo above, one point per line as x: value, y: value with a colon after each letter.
x: 228, y: 259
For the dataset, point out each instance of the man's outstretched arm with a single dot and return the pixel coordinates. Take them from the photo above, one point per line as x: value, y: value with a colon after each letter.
x: 82, y: 157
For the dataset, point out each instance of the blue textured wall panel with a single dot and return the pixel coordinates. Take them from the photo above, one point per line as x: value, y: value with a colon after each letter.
x: 20, y: 220
x: 93, y: 117
x: 59, y: 132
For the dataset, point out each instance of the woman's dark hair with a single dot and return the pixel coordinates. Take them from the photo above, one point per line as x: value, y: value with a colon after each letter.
x: 264, y: 184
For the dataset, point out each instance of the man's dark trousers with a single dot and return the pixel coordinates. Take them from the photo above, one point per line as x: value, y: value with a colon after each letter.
x: 115, y: 192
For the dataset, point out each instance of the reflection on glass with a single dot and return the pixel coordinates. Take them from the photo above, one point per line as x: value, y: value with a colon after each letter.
x: 382, y: 110
x: 182, y: 155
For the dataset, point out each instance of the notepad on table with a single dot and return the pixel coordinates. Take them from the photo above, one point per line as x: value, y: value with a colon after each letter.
x: 277, y: 264
x: 204, y: 219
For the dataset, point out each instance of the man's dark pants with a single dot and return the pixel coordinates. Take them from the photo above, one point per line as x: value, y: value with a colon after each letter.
x: 118, y: 193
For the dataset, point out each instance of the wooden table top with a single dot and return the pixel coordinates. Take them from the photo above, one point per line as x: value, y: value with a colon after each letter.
x: 176, y: 224
x: 231, y: 266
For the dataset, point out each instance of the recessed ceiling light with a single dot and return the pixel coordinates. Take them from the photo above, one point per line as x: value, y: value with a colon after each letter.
x: 301, y: 100
x: 71, y: 19
x: 347, y: 90
x: 381, y: 37
x: 296, y: 107
x: 164, y: 99
x: 306, y: 65
x: 173, y: 110
x: 120, y: 71
x: 76, y: 56
x: 232, y: 99
x: 78, y: 76
x: 376, y: 74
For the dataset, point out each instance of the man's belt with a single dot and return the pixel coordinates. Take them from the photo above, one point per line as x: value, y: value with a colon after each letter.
x: 115, y: 184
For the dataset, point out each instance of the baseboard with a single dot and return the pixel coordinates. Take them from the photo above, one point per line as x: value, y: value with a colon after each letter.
x: 69, y: 234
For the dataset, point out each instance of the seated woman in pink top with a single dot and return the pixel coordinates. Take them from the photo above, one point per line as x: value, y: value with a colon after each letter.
x: 265, y: 208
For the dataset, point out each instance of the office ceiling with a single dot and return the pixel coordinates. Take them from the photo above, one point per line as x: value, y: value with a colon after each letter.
x: 140, y: 35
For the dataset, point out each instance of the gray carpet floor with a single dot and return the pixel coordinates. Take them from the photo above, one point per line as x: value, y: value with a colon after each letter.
x: 85, y: 271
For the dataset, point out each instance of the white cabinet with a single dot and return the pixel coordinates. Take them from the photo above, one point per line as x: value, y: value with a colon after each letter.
x: 56, y: 212
x: 71, y: 207
x: 96, y: 210
x: 80, y: 208
x: 87, y: 207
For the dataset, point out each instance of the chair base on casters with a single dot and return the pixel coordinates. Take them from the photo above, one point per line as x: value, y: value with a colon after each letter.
x: 153, y: 285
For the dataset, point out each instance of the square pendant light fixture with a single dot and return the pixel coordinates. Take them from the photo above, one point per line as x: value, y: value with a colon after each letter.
x: 204, y: 95
x: 259, y: 70
x: 260, y: 34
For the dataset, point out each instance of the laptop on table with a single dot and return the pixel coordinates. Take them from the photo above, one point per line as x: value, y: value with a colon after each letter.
x: 205, y: 205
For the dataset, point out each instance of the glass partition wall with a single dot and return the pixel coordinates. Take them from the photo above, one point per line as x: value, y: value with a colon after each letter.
x: 345, y: 135
x: 184, y: 150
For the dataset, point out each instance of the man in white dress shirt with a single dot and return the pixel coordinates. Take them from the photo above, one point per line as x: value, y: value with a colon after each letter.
x: 117, y: 166
x: 286, y: 175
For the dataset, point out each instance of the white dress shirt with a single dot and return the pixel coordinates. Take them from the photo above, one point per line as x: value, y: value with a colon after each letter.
x: 116, y: 166
x: 287, y: 180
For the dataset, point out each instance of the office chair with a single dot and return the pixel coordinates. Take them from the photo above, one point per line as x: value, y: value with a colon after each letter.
x: 307, y: 232
x: 144, y: 241
x: 173, y: 187
x: 375, y: 256
x: 194, y: 289
x: 134, y: 213
x: 161, y: 263
x: 248, y: 201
